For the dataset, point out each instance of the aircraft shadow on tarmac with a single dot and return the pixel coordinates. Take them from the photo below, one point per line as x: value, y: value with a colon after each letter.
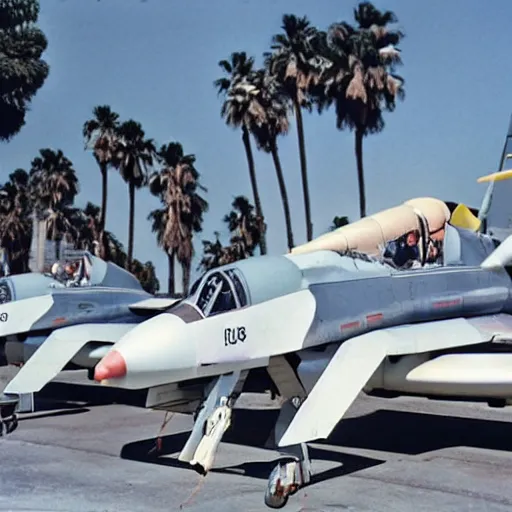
x: 251, y: 428
x: 383, y: 430
x: 63, y: 398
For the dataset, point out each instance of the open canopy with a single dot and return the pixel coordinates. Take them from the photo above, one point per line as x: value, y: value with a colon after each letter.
x: 370, y: 235
x: 443, y: 237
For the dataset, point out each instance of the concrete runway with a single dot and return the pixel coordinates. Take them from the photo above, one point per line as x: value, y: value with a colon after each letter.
x: 397, y: 455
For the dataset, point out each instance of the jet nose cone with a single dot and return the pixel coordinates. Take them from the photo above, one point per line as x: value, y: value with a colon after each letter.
x: 157, y: 351
x: 112, y: 366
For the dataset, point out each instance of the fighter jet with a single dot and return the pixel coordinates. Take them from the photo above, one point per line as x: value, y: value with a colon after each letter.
x: 335, y: 317
x: 47, y: 325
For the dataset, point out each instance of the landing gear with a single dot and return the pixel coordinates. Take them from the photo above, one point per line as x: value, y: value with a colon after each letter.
x: 287, y: 478
x: 293, y: 472
x: 8, y: 418
x: 216, y: 424
x: 212, y: 420
x: 8, y: 425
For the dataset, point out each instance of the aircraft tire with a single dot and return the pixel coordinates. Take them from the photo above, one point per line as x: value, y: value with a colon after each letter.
x: 274, y: 501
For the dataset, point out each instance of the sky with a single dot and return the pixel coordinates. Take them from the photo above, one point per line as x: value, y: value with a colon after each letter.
x: 155, y: 61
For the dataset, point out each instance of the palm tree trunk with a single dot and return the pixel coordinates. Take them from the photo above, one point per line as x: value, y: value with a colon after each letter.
x: 104, y: 248
x: 360, y: 172
x: 186, y: 277
x: 104, y: 185
x: 170, y: 286
x: 284, y: 194
x: 254, y: 185
x: 57, y: 249
x: 25, y: 262
x: 131, y: 224
x: 303, y: 169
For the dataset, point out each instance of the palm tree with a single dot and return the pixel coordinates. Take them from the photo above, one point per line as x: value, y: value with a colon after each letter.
x: 88, y: 225
x: 240, y: 109
x: 146, y: 275
x: 102, y: 244
x: 52, y: 179
x: 116, y: 251
x: 16, y: 221
x: 53, y: 186
x: 213, y: 254
x: 243, y: 226
x: 362, y: 81
x: 293, y: 62
x: 23, y: 70
x: 134, y: 155
x: 245, y: 234
x: 177, y: 187
x: 159, y: 222
x: 101, y: 135
x: 63, y: 223
x: 273, y: 100
x: 88, y: 231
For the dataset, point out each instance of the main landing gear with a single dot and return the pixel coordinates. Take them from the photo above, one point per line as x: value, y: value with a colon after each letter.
x: 8, y: 417
x: 287, y: 478
x: 213, y: 418
x: 293, y: 472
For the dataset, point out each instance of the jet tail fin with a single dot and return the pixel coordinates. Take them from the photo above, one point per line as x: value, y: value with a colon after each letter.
x: 495, y: 212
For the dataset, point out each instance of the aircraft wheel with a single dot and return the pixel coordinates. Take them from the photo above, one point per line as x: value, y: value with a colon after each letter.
x: 273, y: 501
x: 275, y: 495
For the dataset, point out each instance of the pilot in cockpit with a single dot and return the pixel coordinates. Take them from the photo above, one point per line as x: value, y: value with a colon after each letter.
x: 404, y: 251
x: 71, y: 274
x: 58, y: 272
x: 434, y: 252
x: 77, y: 274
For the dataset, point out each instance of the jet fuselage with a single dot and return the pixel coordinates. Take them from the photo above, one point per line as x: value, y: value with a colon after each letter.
x: 27, y: 323
x: 329, y: 298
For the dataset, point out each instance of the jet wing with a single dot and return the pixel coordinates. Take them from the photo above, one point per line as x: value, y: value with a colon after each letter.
x: 153, y: 304
x: 357, y: 359
x: 19, y: 316
x: 57, y: 350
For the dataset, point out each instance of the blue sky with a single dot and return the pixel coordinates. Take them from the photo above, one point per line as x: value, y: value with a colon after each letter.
x: 155, y: 61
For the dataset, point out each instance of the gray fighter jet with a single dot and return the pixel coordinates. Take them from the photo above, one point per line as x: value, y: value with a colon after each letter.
x: 343, y: 313
x: 48, y: 324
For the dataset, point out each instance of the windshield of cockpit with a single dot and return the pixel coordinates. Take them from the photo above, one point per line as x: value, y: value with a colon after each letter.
x: 218, y: 292
x: 5, y: 291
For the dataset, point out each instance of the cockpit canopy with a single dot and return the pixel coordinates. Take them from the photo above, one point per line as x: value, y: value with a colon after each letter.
x: 248, y: 282
x: 218, y: 291
x: 87, y: 271
x: 370, y: 235
x: 421, y: 231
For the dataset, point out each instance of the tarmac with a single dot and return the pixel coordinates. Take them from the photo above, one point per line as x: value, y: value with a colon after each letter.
x: 387, y: 455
